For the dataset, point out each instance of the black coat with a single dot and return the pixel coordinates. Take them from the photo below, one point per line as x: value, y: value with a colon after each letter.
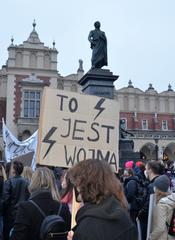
x: 1, y: 192
x: 131, y: 189
x: 104, y: 221
x: 29, y: 219
x: 15, y: 190
x: 143, y: 216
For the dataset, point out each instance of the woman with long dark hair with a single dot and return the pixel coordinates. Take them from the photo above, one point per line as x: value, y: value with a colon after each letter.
x: 104, y: 215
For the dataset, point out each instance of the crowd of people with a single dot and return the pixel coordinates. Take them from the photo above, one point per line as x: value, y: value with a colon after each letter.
x: 141, y: 181
x: 113, y: 205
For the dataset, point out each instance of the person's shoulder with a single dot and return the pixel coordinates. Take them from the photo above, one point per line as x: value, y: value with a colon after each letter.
x: 64, y: 208
x: 22, y: 180
x: 25, y: 208
x: 25, y: 204
x: 133, y: 181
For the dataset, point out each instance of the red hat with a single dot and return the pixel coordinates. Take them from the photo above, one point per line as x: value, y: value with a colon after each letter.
x: 138, y: 163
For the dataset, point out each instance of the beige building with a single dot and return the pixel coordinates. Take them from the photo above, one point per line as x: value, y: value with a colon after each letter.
x: 150, y: 116
x: 30, y: 66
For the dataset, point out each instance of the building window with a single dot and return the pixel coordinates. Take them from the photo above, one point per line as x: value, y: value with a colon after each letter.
x: 47, y: 61
x: 19, y: 59
x: 60, y: 86
x: 164, y: 125
x: 144, y: 124
x: 147, y: 104
x: 31, y: 103
x: 33, y: 61
x: 125, y: 103
x: 123, y: 123
x: 73, y: 88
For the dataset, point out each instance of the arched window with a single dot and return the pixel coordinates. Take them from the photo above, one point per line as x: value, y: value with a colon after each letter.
x: 146, y: 104
x: 125, y: 103
x: 26, y: 134
x: 47, y: 61
x: 19, y: 59
x: 73, y: 88
x: 33, y: 61
x: 60, y: 86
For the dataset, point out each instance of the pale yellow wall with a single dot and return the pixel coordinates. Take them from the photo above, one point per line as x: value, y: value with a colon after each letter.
x: 145, y: 102
x: 10, y: 104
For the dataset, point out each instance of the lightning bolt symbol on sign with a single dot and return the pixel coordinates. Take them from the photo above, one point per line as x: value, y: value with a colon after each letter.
x: 48, y: 140
x: 98, y: 107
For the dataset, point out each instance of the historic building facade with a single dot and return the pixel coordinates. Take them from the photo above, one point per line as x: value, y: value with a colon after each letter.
x: 150, y: 116
x: 30, y: 66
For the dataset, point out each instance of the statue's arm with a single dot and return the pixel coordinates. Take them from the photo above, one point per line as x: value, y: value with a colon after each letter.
x: 90, y: 37
x: 127, y: 132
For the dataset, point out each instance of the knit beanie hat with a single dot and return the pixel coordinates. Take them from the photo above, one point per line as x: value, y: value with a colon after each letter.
x: 162, y: 183
x: 129, y: 164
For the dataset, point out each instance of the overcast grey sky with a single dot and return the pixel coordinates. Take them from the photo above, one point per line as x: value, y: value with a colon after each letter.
x: 140, y: 33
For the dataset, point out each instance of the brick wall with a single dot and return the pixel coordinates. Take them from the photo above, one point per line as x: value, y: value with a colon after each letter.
x: 135, y: 122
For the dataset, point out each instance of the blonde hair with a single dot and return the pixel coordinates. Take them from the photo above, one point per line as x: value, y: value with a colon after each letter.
x: 27, y: 173
x: 159, y: 194
x: 44, y: 179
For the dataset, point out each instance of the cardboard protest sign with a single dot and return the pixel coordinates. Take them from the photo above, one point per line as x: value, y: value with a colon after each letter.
x: 74, y: 127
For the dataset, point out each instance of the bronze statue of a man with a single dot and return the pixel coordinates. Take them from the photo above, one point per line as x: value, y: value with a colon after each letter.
x: 98, y: 42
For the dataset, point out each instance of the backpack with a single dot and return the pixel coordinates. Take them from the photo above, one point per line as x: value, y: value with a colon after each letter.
x: 141, y: 194
x: 53, y: 226
x: 171, y: 226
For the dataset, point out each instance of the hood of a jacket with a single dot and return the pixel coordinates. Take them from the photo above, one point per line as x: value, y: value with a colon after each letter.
x: 169, y: 200
x: 135, y: 178
x: 109, y: 209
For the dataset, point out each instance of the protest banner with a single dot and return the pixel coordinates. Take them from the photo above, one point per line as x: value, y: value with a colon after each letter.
x: 152, y: 204
x: 74, y: 127
x: 15, y: 149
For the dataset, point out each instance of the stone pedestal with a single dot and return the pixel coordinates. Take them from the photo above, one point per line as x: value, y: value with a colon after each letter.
x: 126, y: 152
x: 99, y: 82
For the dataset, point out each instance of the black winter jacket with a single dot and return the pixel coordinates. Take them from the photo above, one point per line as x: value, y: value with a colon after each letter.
x: 143, y: 215
x: 104, y: 221
x: 29, y: 219
x: 1, y: 192
x: 15, y: 190
x: 131, y: 190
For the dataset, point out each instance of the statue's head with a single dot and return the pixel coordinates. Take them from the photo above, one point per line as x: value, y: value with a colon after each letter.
x: 97, y: 24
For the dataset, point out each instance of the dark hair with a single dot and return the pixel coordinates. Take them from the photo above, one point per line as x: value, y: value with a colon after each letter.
x: 18, y: 167
x: 156, y: 167
x: 142, y: 166
x: 130, y: 171
x: 96, y: 182
x: 7, y: 169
